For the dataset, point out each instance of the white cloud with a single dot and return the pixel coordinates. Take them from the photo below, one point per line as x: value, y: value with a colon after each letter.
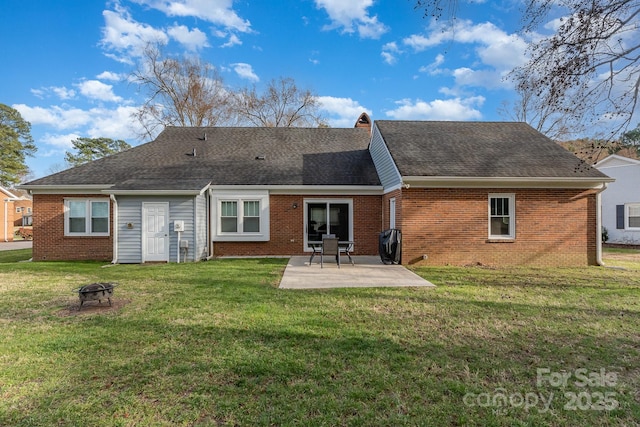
x: 439, y: 109
x: 40, y: 93
x: 434, y: 68
x: 114, y: 123
x: 63, y: 92
x: 60, y: 141
x: 245, y: 71
x: 482, y: 78
x: 218, y: 12
x: 126, y: 36
x: 95, y: 89
x: 111, y: 76
x: 389, y: 51
x: 496, y: 47
x: 419, y: 42
x: 497, y: 52
x: 57, y: 117
x: 347, y: 14
x: 233, y: 41
x: 59, y: 91
x: 342, y: 112
x: 191, y: 39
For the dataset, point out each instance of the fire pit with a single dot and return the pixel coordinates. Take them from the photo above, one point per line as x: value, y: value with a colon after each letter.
x: 96, y: 291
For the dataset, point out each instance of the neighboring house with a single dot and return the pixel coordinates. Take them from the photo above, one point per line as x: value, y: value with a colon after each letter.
x: 15, y: 205
x: 23, y: 209
x: 621, y: 200
x: 461, y: 193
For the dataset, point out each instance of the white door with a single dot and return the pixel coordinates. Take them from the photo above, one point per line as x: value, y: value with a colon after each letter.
x: 155, y: 238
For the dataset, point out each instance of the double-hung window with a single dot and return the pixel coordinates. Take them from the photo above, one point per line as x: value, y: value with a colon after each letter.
x: 86, y: 217
x: 502, y: 222
x: 251, y: 216
x: 241, y: 217
x: 633, y: 216
x: 229, y: 216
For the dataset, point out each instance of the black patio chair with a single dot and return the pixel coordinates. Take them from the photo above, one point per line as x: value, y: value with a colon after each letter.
x: 330, y: 247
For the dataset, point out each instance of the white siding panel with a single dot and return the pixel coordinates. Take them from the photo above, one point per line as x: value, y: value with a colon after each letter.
x: 385, y: 166
x: 201, y: 232
x: 182, y: 209
x: 129, y: 238
x: 621, y: 192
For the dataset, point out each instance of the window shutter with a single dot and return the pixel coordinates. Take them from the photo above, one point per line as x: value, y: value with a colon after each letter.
x: 620, y: 217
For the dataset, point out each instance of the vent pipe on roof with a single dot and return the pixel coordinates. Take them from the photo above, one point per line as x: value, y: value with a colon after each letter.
x: 194, y: 152
x: 204, y: 137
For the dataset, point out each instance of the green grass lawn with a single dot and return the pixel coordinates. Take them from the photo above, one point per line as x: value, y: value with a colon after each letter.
x: 216, y: 343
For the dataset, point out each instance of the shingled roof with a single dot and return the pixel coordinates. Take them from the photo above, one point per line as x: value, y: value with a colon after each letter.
x: 190, y: 158
x: 478, y: 149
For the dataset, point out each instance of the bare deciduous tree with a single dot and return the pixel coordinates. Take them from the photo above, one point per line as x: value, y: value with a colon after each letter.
x: 531, y: 109
x: 281, y: 105
x: 588, y: 70
x: 180, y: 92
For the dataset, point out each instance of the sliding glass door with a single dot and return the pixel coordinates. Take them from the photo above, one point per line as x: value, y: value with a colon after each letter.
x: 328, y: 217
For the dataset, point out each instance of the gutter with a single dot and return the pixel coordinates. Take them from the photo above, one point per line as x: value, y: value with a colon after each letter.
x: 599, y: 225
x: 115, y: 229
x: 502, y: 182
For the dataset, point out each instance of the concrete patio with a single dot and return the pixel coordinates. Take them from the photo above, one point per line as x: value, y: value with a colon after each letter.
x: 368, y: 272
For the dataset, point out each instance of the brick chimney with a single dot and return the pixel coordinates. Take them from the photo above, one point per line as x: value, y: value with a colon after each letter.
x: 364, y: 122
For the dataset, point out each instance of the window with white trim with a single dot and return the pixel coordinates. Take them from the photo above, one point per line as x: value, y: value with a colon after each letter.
x: 327, y: 216
x: 251, y: 216
x: 240, y: 216
x: 228, y: 216
x: 502, y: 216
x: 633, y: 216
x: 86, y: 217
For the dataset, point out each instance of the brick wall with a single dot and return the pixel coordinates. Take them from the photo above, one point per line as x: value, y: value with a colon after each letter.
x: 397, y: 194
x: 450, y: 226
x: 287, y: 228
x: 49, y: 241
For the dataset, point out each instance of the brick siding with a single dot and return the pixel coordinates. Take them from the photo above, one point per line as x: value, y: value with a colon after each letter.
x: 450, y: 226
x: 287, y: 228
x: 49, y: 241
x: 386, y: 220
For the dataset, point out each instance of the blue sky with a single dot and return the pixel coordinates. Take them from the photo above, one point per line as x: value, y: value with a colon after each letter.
x: 66, y: 63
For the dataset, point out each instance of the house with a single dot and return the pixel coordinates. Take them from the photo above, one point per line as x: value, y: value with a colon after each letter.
x: 15, y: 212
x: 461, y: 193
x: 621, y: 200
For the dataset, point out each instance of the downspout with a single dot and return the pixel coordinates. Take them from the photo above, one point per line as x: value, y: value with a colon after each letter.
x: 599, y: 225
x: 115, y: 229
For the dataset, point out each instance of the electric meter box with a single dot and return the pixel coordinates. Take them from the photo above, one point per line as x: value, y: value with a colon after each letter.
x: 178, y: 225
